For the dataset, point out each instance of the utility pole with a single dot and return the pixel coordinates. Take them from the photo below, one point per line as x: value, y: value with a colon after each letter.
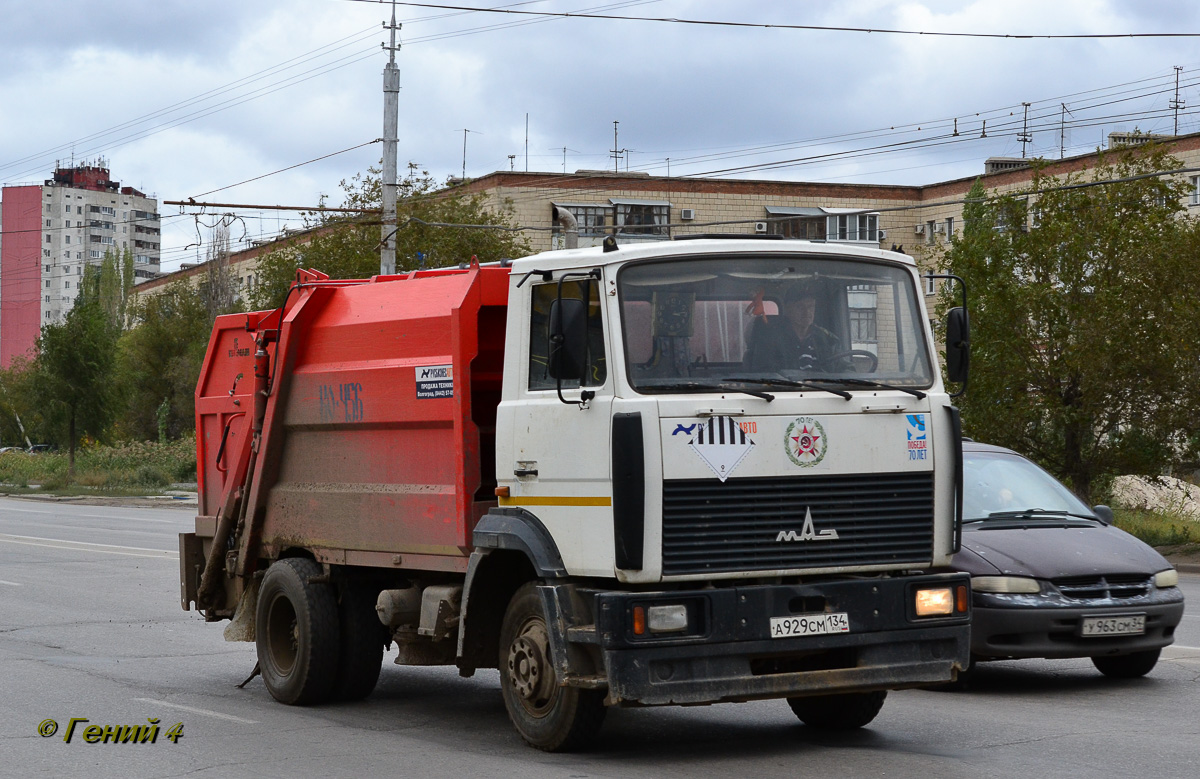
x: 391, y: 119
x: 616, y: 152
x: 1025, y: 137
x: 1176, y: 104
x: 1062, y: 132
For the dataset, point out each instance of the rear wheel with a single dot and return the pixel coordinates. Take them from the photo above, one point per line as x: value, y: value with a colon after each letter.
x: 361, y: 657
x: 297, y: 632
x: 548, y: 716
x: 838, y: 712
x: 1129, y: 666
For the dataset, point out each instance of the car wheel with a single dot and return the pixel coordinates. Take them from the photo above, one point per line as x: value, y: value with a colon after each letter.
x: 838, y: 712
x: 363, y: 635
x: 1129, y: 666
x: 546, y: 714
x: 297, y: 632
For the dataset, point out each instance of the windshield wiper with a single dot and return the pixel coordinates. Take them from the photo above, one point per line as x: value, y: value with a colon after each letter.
x: 770, y: 382
x: 719, y: 387
x: 869, y: 383
x: 1030, y: 514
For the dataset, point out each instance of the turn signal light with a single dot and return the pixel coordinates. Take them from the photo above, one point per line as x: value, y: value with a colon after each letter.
x: 639, y: 620
x: 962, y: 598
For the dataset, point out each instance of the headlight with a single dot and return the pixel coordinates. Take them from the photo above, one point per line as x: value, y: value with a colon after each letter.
x: 1006, y: 584
x: 932, y: 603
x: 1167, y: 578
x: 666, y: 619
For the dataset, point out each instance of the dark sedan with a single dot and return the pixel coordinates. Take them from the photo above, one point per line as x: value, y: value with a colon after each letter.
x: 1054, y: 578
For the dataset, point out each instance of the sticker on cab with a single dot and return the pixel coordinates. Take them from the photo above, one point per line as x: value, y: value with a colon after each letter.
x: 720, y: 442
x: 918, y: 441
x: 805, y: 442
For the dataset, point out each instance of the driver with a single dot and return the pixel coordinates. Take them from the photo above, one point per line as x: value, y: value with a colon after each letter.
x: 794, y: 339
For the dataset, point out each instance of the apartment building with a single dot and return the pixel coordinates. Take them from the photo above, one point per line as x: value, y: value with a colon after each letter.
x: 52, y: 231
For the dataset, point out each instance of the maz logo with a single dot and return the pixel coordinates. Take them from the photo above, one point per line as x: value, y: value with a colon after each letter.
x: 808, y: 532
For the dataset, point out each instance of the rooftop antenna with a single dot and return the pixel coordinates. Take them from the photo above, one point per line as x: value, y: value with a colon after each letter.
x: 616, y: 152
x: 564, y: 153
x: 1062, y: 131
x: 512, y: 160
x: 464, y: 165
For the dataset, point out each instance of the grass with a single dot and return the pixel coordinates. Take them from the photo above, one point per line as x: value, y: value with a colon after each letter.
x: 1159, y: 529
x: 132, y: 468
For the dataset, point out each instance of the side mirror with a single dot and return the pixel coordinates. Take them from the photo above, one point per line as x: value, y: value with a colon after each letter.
x: 568, y: 339
x: 958, y: 347
x: 1104, y: 513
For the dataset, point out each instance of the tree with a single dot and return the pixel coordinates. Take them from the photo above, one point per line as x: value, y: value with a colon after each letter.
x: 348, y: 248
x: 73, y: 371
x: 1085, y: 333
x: 158, y: 361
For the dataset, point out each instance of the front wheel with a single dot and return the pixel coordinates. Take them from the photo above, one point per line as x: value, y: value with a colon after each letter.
x: 547, y: 715
x: 297, y: 632
x: 1129, y: 666
x: 838, y: 712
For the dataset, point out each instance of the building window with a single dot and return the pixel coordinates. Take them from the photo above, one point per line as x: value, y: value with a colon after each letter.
x: 45, y: 252
x: 930, y: 285
x: 642, y: 219
x: 47, y: 268
x: 78, y: 209
x: 804, y: 228
x: 68, y: 238
x: 67, y: 285
x: 48, y: 223
x: 47, y: 283
x: 79, y: 255
x: 47, y: 238
x: 1195, y: 194
x: 862, y: 325
x: 852, y: 227
x: 949, y: 227
x: 68, y: 208
x: 930, y: 230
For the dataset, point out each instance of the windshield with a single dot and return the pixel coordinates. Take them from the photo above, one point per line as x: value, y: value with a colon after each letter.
x: 999, y: 483
x: 757, y: 319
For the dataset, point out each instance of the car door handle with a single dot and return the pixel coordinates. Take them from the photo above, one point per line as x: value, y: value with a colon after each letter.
x: 525, y: 472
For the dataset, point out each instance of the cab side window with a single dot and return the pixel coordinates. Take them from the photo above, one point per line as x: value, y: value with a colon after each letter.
x: 539, y: 335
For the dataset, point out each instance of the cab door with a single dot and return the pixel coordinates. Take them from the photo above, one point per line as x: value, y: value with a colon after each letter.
x: 559, y: 466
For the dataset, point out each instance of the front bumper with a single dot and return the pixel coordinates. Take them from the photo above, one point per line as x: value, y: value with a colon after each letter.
x: 1016, y: 627
x: 731, y: 656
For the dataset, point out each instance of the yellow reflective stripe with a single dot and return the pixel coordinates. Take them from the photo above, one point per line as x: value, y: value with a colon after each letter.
x: 554, y: 501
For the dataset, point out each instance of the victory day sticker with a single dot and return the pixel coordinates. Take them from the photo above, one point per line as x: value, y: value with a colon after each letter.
x: 805, y: 442
x: 720, y: 442
x: 918, y: 442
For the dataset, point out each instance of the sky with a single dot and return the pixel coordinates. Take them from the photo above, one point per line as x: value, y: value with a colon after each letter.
x: 185, y: 99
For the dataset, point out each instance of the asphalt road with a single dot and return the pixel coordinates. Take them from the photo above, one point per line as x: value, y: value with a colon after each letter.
x: 90, y: 627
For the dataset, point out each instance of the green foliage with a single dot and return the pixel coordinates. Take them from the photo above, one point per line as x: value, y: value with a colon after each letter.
x: 159, y: 360
x: 348, y: 248
x: 142, y: 464
x: 1084, y: 334
x: 1157, y: 529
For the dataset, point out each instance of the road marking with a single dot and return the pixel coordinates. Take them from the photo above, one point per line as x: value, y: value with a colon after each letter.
x: 10, y: 584
x: 202, y: 712
x: 5, y: 508
x: 83, y: 546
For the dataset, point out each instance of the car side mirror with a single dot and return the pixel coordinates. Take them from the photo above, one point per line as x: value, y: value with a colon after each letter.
x: 958, y: 347
x: 568, y: 338
x: 1104, y: 513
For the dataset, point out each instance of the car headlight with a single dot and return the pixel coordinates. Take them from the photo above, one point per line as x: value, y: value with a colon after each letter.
x: 1167, y: 578
x: 1006, y: 584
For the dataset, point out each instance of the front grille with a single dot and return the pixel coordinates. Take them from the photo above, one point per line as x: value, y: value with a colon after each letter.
x: 1115, y: 585
x: 880, y: 519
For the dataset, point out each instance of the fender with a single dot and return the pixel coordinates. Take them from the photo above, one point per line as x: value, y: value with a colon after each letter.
x: 518, y: 530
x: 512, y: 546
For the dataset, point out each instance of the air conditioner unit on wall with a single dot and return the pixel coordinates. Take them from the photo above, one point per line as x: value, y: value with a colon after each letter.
x: 920, y: 229
x: 939, y: 228
x: 883, y: 235
x: 760, y: 227
x: 687, y: 214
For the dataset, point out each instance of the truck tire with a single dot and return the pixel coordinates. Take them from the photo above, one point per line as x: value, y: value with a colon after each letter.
x: 838, y: 712
x: 548, y: 716
x: 1129, y: 666
x: 361, y: 657
x: 297, y: 635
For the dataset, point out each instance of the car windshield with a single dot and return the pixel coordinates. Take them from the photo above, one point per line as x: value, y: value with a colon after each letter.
x: 1002, y: 484
x: 755, y: 320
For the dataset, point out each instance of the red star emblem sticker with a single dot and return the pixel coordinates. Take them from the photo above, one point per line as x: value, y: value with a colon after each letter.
x: 806, y: 442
